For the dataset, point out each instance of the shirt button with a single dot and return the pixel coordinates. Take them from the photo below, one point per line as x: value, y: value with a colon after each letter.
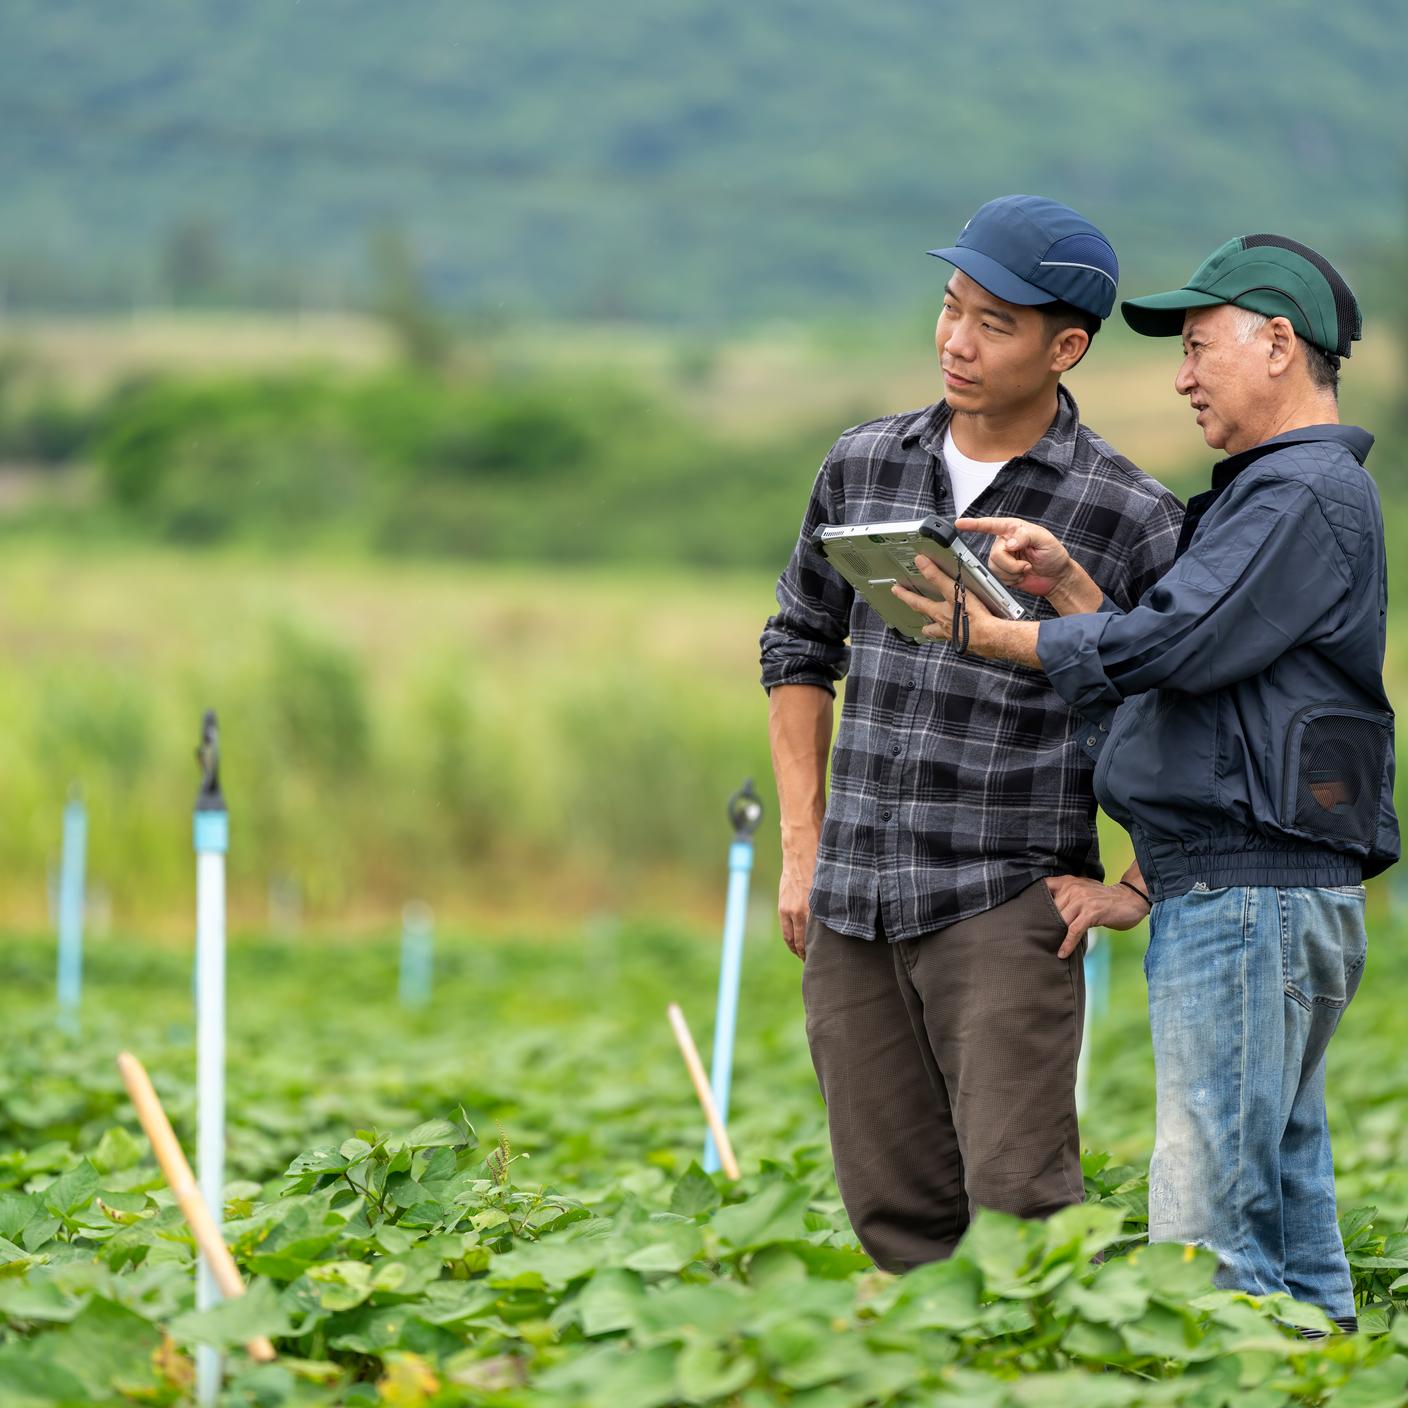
x: 895, y: 750
x: 1092, y: 741
x: 911, y: 684
x: 1104, y: 728
x: 884, y: 816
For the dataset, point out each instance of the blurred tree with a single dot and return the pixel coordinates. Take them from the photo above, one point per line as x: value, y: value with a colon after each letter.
x: 399, y: 298
x: 193, y: 261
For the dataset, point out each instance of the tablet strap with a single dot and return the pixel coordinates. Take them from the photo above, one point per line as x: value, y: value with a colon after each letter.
x: 959, y: 636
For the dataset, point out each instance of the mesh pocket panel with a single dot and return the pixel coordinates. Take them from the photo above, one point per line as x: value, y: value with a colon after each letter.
x: 1339, y: 777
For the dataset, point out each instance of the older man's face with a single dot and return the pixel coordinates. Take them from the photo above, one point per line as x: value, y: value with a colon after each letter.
x: 1226, y: 381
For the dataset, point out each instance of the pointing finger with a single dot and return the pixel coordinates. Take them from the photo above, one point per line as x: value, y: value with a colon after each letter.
x: 998, y: 527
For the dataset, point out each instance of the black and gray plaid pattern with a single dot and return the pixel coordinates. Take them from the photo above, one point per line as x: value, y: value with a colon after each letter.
x: 955, y: 782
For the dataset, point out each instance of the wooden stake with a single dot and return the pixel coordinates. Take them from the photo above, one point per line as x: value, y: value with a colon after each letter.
x: 695, y: 1066
x: 183, y: 1184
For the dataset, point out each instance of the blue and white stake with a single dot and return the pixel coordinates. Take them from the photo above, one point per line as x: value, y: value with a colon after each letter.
x: 212, y: 840
x: 71, y: 873
x: 1097, y: 1001
x: 417, y: 953
x: 745, y: 811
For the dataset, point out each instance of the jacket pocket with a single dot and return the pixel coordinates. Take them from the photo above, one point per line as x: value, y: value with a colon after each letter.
x: 1336, y: 773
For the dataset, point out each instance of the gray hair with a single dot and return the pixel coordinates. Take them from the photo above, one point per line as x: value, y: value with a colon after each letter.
x: 1324, y: 367
x: 1247, y: 322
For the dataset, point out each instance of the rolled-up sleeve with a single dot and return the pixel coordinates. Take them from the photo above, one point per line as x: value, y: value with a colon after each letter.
x: 805, y: 642
x: 1257, y: 581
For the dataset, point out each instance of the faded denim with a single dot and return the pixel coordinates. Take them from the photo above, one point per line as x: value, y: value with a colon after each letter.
x: 1246, y: 987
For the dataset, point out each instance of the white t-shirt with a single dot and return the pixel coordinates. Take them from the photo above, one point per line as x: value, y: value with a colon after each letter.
x: 968, y: 477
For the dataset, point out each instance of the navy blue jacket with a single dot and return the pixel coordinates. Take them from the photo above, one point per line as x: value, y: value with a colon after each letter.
x: 1256, y: 743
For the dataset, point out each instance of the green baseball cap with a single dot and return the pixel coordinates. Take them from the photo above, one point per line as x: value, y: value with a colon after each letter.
x: 1269, y: 274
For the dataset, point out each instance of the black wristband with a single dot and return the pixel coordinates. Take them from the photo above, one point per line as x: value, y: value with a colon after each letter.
x: 1130, y: 886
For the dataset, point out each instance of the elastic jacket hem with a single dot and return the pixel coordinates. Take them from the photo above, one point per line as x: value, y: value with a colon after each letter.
x: 1170, y: 871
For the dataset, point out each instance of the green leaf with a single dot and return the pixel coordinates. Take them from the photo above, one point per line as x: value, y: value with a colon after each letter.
x: 1294, y: 1312
x: 1099, y: 1343
x: 611, y: 1377
x: 705, y: 1372
x: 546, y: 1264
x: 1174, y: 1273
x: 71, y: 1192
x: 773, y: 1215
x: 235, y: 1322
x: 433, y: 1134
x: 694, y: 1194
x: 1374, y: 1319
x: 1377, y: 1263
x: 670, y: 1248
x: 1376, y: 1387
x: 1355, y: 1223
x: 340, y: 1284
x: 11, y: 1254
x: 776, y: 1264
x: 612, y: 1300
x: 1075, y: 1386
x: 405, y: 1276
x: 1117, y: 1294
x: 1160, y: 1332
x: 17, y: 1210
x: 107, y: 1348
x: 943, y: 1295
x: 1080, y: 1231
x: 118, y: 1150
x: 716, y: 1311
x: 1004, y: 1249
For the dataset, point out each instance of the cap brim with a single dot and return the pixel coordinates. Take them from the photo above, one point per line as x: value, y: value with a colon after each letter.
x: 999, y: 281
x: 1161, y: 314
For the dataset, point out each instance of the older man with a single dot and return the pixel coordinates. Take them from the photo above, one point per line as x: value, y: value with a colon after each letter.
x: 1252, y: 763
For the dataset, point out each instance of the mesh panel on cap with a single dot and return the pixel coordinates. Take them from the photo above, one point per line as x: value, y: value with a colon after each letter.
x: 1347, y: 320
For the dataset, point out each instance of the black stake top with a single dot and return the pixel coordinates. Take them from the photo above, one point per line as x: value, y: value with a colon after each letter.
x: 745, y: 811
x: 209, y: 799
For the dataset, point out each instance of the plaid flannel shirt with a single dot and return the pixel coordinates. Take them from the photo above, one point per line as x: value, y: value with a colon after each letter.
x: 955, y: 782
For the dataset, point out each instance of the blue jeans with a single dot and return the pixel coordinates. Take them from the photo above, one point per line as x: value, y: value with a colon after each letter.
x: 1246, y: 987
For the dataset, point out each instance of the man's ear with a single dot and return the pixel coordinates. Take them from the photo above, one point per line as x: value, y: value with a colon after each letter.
x: 1281, y: 346
x: 1069, y: 347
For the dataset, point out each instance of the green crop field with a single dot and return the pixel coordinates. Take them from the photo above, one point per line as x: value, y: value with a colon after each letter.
x: 494, y: 1201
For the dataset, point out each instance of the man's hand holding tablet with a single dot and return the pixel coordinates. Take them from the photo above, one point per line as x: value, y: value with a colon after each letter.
x: 1023, y: 555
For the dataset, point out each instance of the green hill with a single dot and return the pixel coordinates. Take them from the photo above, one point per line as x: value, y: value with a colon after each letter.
x: 689, y: 161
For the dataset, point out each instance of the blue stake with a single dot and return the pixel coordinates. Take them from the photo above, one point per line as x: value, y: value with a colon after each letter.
x: 1097, y: 1002
x: 417, y: 953
x: 212, y: 840
x: 745, y: 811
x: 70, y: 979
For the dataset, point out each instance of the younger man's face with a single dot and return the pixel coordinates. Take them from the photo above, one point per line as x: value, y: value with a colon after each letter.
x: 995, y: 355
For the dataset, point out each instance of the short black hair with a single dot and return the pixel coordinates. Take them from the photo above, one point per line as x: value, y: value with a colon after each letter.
x: 1060, y: 315
x: 1324, y: 368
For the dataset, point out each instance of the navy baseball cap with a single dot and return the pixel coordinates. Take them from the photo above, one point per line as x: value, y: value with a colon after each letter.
x: 1030, y: 250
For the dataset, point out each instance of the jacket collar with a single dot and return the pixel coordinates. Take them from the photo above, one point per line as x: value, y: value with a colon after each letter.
x: 1056, y: 449
x: 1356, y: 440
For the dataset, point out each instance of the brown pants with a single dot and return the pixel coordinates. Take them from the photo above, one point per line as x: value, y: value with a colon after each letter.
x: 948, y: 1068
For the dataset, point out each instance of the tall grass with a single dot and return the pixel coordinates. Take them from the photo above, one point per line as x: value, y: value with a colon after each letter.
x: 487, y: 739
